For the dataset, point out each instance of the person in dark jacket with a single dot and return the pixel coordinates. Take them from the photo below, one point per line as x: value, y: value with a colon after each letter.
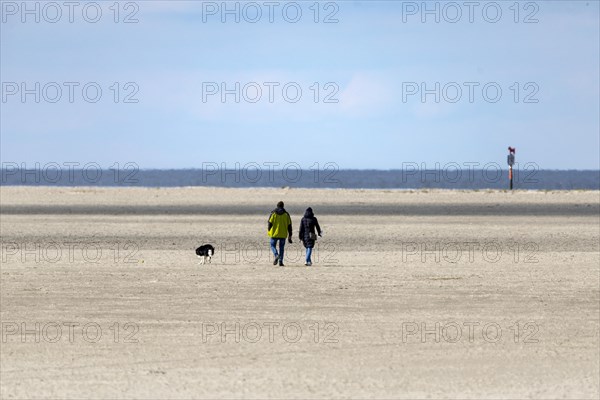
x: 278, y: 228
x: 308, y: 225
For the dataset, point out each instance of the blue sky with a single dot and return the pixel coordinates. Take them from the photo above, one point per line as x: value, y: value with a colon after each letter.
x: 373, y: 58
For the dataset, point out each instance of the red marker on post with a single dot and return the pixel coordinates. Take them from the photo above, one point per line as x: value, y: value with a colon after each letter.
x: 511, y: 161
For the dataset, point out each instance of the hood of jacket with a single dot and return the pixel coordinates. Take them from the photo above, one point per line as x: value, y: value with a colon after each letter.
x: 279, y: 211
x: 309, y: 213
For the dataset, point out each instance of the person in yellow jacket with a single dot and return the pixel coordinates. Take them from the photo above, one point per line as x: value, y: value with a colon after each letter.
x: 278, y: 228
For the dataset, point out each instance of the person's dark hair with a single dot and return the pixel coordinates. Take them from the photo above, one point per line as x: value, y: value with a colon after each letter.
x: 280, y: 204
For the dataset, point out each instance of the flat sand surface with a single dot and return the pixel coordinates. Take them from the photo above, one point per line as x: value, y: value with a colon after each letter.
x: 413, y: 294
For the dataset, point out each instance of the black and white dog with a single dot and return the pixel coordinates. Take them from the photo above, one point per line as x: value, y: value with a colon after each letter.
x: 205, y: 252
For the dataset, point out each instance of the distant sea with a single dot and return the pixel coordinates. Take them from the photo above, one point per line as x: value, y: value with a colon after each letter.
x: 410, y: 178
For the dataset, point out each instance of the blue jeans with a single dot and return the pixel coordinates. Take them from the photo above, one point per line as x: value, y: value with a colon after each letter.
x: 281, y: 248
x: 308, y: 254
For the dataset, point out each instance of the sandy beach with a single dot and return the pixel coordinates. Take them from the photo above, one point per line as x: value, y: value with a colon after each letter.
x: 413, y: 294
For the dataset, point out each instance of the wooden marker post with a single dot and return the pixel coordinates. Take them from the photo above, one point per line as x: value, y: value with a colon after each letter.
x: 511, y: 162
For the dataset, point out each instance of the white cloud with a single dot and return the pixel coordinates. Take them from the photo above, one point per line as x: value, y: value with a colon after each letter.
x: 366, y: 95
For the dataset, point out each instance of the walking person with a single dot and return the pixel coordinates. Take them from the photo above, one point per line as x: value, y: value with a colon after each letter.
x: 308, y: 224
x: 278, y: 228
